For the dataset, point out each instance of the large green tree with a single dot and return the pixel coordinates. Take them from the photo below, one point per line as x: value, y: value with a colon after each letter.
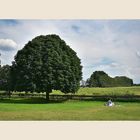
x: 46, y: 63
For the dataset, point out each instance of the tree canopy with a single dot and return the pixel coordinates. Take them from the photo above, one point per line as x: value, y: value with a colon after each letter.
x: 4, y: 77
x: 101, y: 79
x: 46, y: 63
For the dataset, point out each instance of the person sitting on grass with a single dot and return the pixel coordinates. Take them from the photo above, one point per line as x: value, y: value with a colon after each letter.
x: 109, y: 103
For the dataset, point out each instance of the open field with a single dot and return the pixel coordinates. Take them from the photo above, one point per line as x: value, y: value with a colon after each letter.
x: 110, y: 91
x: 38, y: 109
x: 134, y: 90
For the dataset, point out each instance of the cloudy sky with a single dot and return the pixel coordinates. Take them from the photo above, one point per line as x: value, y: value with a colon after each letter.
x: 109, y: 45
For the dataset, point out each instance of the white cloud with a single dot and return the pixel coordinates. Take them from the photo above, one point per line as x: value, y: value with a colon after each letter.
x: 138, y: 54
x: 115, y: 45
x: 7, y: 45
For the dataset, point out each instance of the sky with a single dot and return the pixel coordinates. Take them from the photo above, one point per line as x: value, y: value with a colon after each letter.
x: 109, y: 45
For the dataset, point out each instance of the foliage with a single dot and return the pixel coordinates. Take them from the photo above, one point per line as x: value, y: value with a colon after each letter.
x: 46, y: 63
x: 101, y: 79
x: 4, y: 77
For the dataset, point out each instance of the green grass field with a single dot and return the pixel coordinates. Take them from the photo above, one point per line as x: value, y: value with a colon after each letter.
x: 38, y: 109
x: 134, y: 90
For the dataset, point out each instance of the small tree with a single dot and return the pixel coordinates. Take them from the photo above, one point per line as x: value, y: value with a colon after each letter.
x: 95, y: 79
x: 46, y: 63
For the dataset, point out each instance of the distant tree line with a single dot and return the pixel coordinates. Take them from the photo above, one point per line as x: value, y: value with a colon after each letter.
x: 102, y: 79
x: 136, y: 84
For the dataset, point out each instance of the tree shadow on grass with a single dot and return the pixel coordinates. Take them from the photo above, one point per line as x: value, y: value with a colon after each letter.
x: 44, y: 101
x: 30, y: 101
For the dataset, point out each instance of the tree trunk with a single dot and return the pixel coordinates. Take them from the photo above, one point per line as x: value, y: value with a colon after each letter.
x: 9, y: 93
x: 47, y: 96
x: 49, y: 90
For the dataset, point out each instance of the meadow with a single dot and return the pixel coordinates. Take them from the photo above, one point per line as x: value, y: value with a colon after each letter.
x: 110, y: 91
x: 40, y: 109
x: 134, y: 90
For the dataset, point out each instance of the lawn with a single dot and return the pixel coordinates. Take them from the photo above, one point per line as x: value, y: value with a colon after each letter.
x: 39, y: 109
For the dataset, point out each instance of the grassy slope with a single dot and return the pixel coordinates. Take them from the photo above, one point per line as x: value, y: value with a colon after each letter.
x: 113, y: 90
x: 134, y: 90
x: 25, y: 109
x: 106, y: 91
